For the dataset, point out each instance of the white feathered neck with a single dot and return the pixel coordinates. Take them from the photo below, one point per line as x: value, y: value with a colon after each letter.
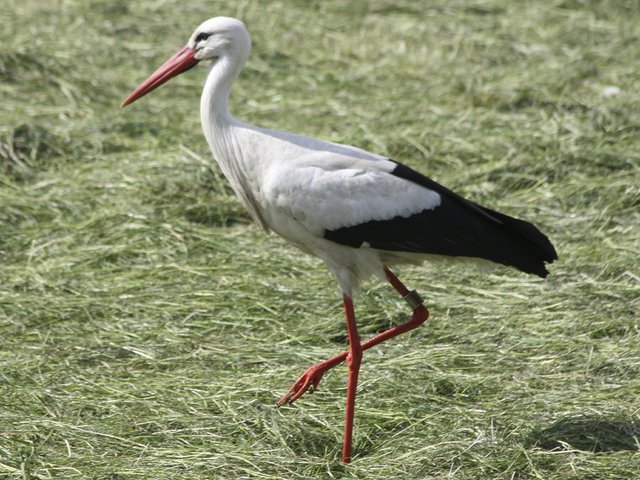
x: 224, y: 133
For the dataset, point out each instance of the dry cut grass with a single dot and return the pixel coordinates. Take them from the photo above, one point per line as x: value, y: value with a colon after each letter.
x: 147, y: 328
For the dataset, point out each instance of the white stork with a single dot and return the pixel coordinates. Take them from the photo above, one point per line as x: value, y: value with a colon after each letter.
x: 358, y: 211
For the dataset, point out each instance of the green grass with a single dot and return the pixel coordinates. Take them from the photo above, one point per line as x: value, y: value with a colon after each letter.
x: 147, y: 327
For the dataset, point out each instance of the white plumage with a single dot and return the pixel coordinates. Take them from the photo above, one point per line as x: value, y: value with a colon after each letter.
x: 299, y: 186
x: 357, y: 211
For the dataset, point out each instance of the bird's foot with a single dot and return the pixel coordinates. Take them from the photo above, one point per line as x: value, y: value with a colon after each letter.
x: 307, y: 382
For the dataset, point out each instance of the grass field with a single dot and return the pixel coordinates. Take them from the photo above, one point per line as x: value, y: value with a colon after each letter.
x: 147, y: 327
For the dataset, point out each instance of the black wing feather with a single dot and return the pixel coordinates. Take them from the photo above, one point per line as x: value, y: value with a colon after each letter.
x: 457, y: 228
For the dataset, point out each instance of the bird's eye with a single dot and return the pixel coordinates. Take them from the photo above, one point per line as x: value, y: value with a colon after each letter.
x: 202, y: 36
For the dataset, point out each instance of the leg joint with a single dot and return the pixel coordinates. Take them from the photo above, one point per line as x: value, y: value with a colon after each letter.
x: 420, y: 315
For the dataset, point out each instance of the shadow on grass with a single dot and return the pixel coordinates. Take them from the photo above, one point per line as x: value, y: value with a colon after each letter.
x: 589, y: 433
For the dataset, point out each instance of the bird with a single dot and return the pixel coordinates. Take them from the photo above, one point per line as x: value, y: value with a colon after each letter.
x: 359, y: 212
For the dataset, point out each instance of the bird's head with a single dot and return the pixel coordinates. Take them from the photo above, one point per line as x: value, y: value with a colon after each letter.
x: 214, y: 39
x: 220, y: 36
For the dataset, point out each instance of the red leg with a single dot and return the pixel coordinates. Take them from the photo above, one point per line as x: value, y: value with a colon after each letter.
x: 311, y: 378
x: 354, y: 359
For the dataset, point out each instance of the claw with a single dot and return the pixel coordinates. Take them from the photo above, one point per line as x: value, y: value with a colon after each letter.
x: 308, y: 382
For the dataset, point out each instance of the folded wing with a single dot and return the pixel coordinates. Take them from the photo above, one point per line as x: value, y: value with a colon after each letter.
x: 389, y: 206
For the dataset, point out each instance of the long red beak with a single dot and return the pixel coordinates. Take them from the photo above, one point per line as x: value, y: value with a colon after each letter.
x: 180, y: 62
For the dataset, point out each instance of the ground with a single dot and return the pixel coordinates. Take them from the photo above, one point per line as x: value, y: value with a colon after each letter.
x: 147, y: 328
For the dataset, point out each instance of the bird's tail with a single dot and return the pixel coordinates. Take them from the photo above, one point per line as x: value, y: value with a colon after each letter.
x: 535, y: 247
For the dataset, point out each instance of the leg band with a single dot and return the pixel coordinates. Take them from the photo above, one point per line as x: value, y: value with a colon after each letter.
x: 414, y: 299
